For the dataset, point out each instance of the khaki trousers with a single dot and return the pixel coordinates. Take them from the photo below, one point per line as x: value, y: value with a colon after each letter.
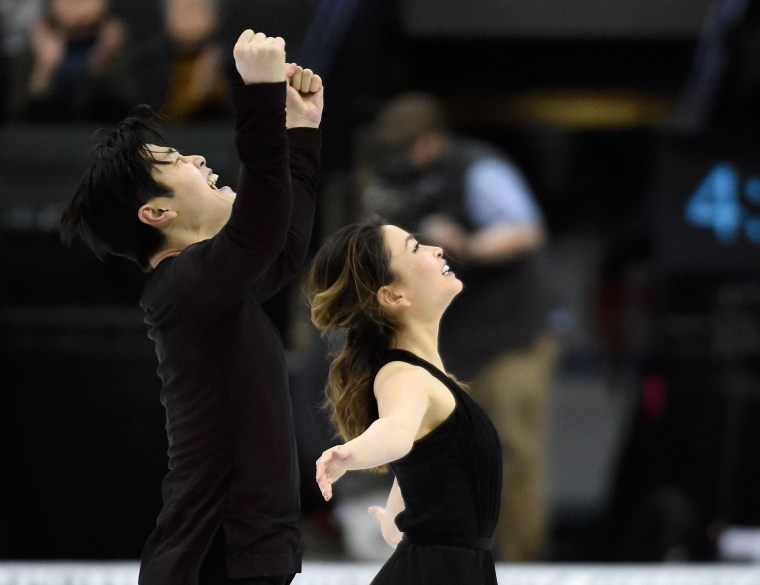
x: 514, y: 390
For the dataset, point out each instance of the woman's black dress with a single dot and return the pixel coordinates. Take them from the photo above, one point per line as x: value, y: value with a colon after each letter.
x: 451, y: 485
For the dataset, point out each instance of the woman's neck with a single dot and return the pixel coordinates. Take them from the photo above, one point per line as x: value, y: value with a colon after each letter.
x: 422, y: 342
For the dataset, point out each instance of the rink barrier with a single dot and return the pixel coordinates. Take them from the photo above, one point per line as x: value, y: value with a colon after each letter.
x: 335, y: 573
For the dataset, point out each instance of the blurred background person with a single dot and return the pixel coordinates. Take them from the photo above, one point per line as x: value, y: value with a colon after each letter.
x: 16, y: 19
x: 75, y: 68
x: 183, y: 71
x: 468, y: 197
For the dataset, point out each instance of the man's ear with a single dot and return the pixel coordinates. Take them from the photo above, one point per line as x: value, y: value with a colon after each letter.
x: 155, y: 216
x: 391, y: 299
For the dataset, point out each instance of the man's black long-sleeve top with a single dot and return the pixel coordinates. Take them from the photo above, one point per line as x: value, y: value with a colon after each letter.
x: 232, y: 453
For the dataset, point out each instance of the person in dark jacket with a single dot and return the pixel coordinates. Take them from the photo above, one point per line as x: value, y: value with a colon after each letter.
x: 75, y: 68
x: 231, y: 495
x: 472, y: 199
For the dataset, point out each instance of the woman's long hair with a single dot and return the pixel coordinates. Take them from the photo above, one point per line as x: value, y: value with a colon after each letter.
x: 341, y: 289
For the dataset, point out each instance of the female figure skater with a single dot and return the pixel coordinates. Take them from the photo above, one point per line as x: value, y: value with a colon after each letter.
x: 393, y: 403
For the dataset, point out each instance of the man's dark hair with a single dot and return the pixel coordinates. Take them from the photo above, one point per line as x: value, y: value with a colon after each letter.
x: 102, y: 211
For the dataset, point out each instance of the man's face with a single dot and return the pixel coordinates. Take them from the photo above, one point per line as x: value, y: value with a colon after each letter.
x: 199, y: 203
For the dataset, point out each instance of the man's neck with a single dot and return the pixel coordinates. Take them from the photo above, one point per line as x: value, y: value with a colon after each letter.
x: 159, y: 257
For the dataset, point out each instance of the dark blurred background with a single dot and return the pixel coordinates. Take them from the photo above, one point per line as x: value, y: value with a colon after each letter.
x: 635, y: 121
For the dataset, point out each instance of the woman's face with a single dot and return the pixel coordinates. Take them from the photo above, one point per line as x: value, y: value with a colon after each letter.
x: 422, y: 275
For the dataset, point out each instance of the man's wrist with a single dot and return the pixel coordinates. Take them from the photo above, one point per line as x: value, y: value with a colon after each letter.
x: 300, y: 123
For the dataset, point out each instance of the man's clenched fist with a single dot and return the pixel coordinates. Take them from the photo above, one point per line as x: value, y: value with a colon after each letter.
x: 259, y: 58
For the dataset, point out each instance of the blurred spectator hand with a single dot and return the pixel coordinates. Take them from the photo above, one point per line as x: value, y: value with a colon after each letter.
x: 48, y: 45
x: 443, y: 231
x: 110, y: 43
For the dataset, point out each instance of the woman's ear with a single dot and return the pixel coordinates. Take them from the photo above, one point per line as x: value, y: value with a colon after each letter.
x: 390, y: 299
x: 155, y: 216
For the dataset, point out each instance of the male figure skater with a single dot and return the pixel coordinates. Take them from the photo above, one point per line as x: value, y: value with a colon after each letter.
x: 231, y: 495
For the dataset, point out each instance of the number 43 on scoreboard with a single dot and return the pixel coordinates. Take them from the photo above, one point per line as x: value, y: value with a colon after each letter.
x: 718, y: 205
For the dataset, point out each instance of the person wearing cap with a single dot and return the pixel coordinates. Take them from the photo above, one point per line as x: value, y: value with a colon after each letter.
x: 471, y: 199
